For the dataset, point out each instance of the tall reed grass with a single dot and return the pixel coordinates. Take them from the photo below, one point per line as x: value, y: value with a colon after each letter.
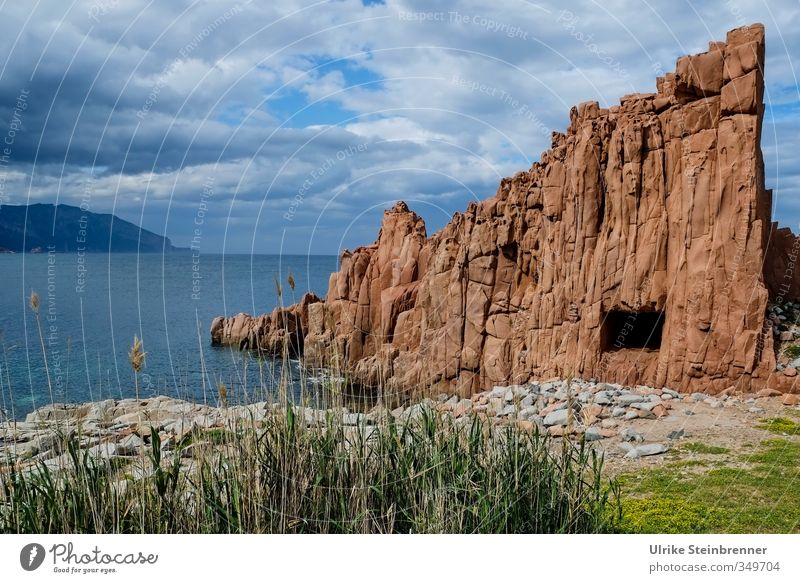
x: 280, y: 475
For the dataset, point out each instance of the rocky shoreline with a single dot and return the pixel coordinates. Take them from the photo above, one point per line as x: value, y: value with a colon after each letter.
x: 623, y: 423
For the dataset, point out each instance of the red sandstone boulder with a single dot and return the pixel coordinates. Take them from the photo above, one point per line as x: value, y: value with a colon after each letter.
x: 791, y: 399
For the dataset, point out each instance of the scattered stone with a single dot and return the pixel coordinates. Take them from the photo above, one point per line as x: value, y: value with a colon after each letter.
x: 498, y: 391
x: 593, y: 411
x: 554, y: 407
x: 791, y: 399
x: 58, y: 412
x: 525, y: 425
x: 603, y: 398
x: 677, y: 434
x: 559, y: 417
x: 646, y: 450
x: 450, y: 402
x: 180, y: 428
x: 630, y: 434
x: 763, y: 393
x: 593, y: 434
x: 105, y: 451
x: 463, y: 407
x: 507, y: 411
x: 129, y: 445
x: 660, y: 411
x: 416, y: 412
x: 630, y: 399
x: 626, y: 447
x: 652, y: 449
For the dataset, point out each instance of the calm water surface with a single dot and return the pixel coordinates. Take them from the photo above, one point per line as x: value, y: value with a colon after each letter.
x: 91, y: 307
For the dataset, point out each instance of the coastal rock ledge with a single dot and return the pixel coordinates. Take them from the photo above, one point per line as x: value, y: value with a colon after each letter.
x: 639, y: 250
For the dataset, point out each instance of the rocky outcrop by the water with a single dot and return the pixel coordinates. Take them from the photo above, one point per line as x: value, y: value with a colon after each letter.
x: 283, y: 330
x: 638, y: 250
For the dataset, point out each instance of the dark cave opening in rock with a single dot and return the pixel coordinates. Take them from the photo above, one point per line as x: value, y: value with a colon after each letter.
x: 631, y: 329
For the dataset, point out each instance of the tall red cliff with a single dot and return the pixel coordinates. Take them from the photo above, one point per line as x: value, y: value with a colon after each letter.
x: 639, y: 250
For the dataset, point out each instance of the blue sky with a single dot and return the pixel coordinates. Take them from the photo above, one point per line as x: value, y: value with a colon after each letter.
x: 306, y: 119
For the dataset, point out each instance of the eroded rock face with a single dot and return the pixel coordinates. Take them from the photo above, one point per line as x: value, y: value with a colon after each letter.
x: 282, y: 330
x: 637, y: 250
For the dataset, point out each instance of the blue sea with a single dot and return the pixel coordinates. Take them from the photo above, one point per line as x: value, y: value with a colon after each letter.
x: 91, y: 306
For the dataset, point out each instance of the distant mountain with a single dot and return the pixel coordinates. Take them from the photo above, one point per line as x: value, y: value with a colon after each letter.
x: 73, y: 230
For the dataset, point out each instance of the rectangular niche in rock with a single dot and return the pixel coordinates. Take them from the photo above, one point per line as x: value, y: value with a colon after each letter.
x: 629, y: 329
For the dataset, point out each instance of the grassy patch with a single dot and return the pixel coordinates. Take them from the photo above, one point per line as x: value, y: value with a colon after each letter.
x: 781, y: 426
x: 762, y: 497
x: 688, y: 463
x: 665, y: 516
x: 792, y: 351
x: 776, y: 453
x: 697, y: 447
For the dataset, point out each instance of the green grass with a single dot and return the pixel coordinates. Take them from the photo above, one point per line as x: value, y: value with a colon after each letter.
x: 688, y: 463
x: 665, y: 516
x: 781, y: 426
x: 792, y: 351
x: 762, y: 496
x: 702, y: 448
x: 215, y: 436
x: 430, y: 476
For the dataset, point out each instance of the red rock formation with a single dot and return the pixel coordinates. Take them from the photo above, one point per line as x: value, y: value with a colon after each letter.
x: 781, y: 265
x: 283, y: 329
x: 646, y: 219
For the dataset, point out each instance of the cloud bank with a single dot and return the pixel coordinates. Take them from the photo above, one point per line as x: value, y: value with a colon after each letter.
x: 292, y: 125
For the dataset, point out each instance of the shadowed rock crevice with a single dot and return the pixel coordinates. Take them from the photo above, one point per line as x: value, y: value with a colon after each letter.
x: 653, y: 206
